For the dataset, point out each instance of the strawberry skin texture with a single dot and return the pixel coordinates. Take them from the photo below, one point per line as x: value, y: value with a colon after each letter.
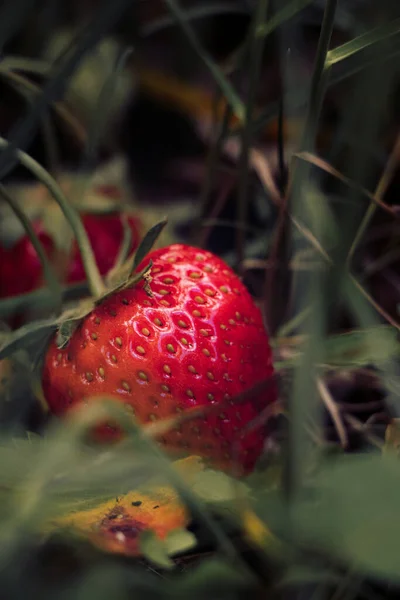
x: 197, y: 341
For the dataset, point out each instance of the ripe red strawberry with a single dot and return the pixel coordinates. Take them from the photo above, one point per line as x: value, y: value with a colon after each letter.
x: 20, y: 267
x: 198, y: 340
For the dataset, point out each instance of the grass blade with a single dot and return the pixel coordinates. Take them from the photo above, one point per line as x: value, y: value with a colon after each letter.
x: 362, y: 42
x: 48, y: 271
x: 222, y: 82
x: 71, y: 214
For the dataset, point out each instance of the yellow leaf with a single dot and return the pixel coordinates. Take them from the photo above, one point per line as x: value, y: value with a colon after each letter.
x: 256, y: 531
x: 392, y: 438
x: 116, y: 525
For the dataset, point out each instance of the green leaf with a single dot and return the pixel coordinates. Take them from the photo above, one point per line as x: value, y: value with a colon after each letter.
x: 374, y: 345
x: 148, y: 242
x: 125, y: 283
x: 219, y: 77
x: 354, y: 513
x: 65, y: 332
x: 155, y: 550
x: 290, y: 10
x: 33, y: 333
x: 302, y: 575
x: 179, y: 541
x: 215, y: 578
x: 70, y: 319
x: 362, y: 42
x: 216, y: 487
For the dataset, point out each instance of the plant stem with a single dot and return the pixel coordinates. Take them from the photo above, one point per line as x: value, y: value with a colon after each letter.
x: 380, y: 191
x: 95, y: 281
x: 41, y: 297
x: 48, y: 271
x: 301, y: 400
x: 222, y: 82
x: 256, y: 47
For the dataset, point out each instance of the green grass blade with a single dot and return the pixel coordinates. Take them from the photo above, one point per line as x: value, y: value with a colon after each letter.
x: 222, y: 82
x: 363, y: 42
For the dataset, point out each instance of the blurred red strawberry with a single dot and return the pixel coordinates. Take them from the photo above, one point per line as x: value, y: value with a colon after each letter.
x: 105, y: 234
x: 20, y: 268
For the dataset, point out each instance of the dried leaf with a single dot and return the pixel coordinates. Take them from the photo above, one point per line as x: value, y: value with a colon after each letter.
x: 119, y: 525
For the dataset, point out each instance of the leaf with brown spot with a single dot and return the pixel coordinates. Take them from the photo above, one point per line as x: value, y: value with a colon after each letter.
x: 118, y: 525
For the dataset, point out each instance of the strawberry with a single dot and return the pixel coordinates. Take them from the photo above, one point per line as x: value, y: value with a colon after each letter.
x: 20, y: 267
x: 105, y: 233
x: 195, y: 340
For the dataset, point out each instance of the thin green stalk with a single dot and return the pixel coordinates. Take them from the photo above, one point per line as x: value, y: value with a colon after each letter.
x: 51, y: 144
x: 301, y: 398
x: 48, y: 271
x: 320, y: 77
x: 103, y: 105
x: 42, y: 297
x: 97, y: 125
x: 212, y: 165
x: 380, y: 191
x: 95, y: 281
x: 60, y: 109
x: 222, y: 82
x: 257, y: 43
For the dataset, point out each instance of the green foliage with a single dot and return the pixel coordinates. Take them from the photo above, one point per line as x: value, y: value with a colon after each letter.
x: 354, y: 513
x: 335, y: 517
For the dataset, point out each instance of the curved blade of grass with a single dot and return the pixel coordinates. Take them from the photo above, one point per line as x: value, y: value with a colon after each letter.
x: 41, y: 297
x: 48, y: 271
x: 303, y: 399
x: 59, y: 107
x: 102, y: 108
x: 231, y: 96
x: 193, y: 14
x: 366, y: 311
x: 22, y: 133
x: 325, y: 166
x: 98, y: 124
x: 296, y: 98
x: 33, y: 333
x: 290, y: 10
x: 92, y: 272
x: 28, y: 65
x: 256, y: 46
x: 380, y: 191
x: 50, y: 142
x: 362, y: 42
